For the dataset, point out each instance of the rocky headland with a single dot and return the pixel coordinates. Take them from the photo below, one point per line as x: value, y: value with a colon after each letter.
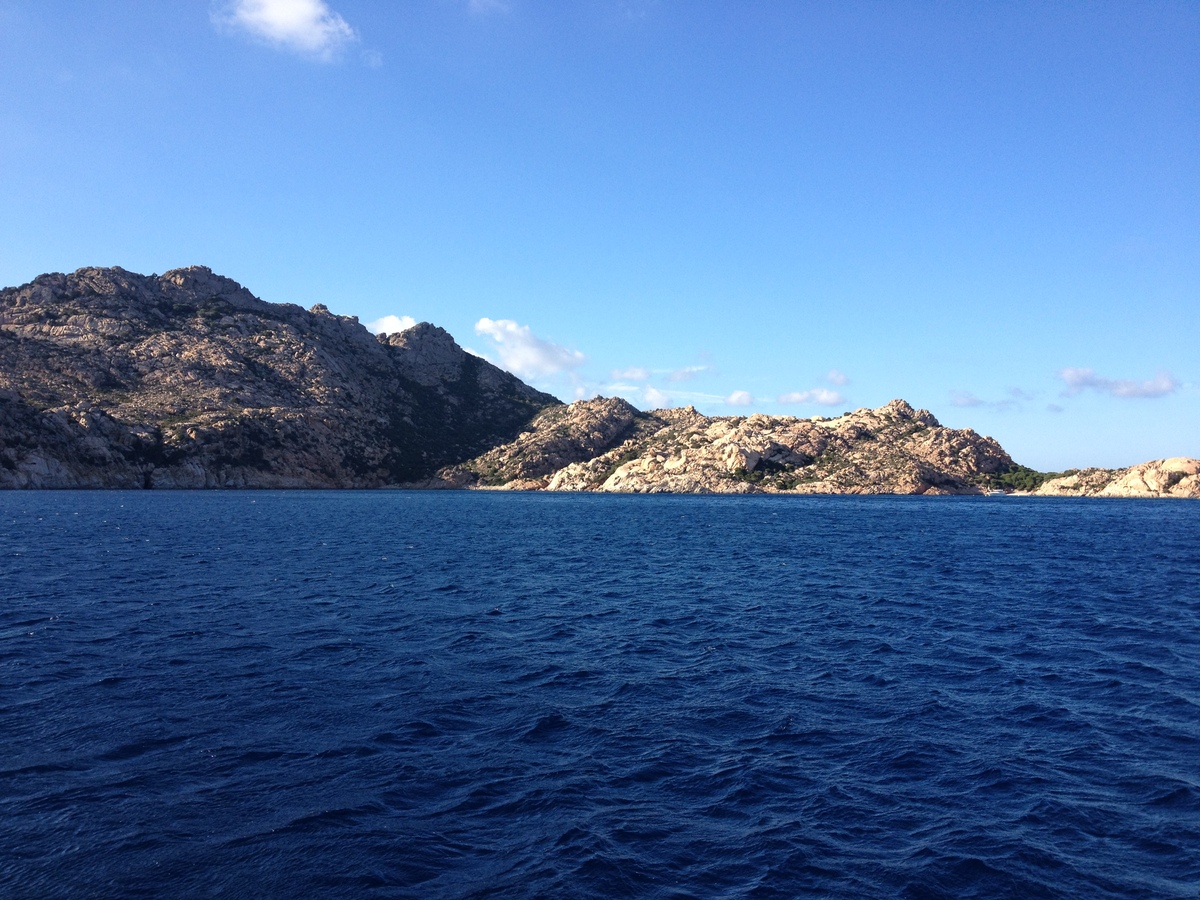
x: 109, y: 379
x: 608, y: 445
x: 187, y: 380
x: 1175, y: 477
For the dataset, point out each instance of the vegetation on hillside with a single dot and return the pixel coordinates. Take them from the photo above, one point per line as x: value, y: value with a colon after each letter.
x: 1019, y: 478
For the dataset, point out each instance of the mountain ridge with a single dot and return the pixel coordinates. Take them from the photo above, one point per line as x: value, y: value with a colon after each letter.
x: 606, y: 445
x: 111, y: 379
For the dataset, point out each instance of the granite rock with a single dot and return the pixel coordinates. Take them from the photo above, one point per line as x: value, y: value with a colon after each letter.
x: 607, y: 445
x: 1178, y: 476
x: 187, y: 380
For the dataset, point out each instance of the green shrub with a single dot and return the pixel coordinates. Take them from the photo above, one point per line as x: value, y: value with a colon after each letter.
x: 1018, y: 478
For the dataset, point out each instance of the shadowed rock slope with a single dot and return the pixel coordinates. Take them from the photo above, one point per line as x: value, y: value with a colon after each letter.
x: 607, y: 445
x: 113, y: 379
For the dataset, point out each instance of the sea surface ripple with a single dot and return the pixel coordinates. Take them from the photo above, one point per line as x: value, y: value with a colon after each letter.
x: 531, y: 695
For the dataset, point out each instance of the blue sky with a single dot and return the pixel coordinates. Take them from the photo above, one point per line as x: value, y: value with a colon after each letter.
x: 989, y: 209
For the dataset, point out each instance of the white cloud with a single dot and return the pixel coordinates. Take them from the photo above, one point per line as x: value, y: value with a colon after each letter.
x: 964, y: 398
x: 641, y: 373
x: 525, y: 354
x: 307, y: 27
x: 655, y: 398
x: 819, y: 396
x: 391, y: 324
x: 635, y: 373
x: 837, y: 377
x: 739, y: 398
x: 1016, y: 396
x: 693, y: 397
x: 967, y: 399
x: 1085, y: 379
x: 687, y: 373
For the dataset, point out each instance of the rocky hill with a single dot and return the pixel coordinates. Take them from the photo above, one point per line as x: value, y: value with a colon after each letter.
x: 607, y: 445
x: 1175, y: 477
x: 187, y: 380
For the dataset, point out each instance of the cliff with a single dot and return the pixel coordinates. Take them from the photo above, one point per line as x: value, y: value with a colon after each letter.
x: 187, y: 380
x: 607, y: 445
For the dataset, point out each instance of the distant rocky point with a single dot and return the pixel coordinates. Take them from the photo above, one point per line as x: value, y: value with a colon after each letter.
x: 109, y: 379
x: 1175, y: 477
x: 607, y: 445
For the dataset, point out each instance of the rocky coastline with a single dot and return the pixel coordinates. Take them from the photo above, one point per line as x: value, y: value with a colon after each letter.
x: 110, y: 379
x: 607, y: 445
x: 1178, y: 476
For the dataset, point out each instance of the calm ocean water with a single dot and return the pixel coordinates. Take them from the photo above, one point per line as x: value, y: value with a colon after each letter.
x: 530, y: 695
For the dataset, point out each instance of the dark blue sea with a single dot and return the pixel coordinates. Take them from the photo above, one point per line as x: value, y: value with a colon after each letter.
x: 391, y: 694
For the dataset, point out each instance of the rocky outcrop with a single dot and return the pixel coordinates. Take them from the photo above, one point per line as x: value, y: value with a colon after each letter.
x: 110, y: 379
x: 606, y: 445
x: 113, y: 379
x: 1175, y: 477
x: 558, y: 437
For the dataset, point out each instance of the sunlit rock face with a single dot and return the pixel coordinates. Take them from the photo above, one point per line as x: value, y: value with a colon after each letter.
x: 187, y: 380
x: 1175, y: 477
x: 607, y: 445
x: 113, y: 379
